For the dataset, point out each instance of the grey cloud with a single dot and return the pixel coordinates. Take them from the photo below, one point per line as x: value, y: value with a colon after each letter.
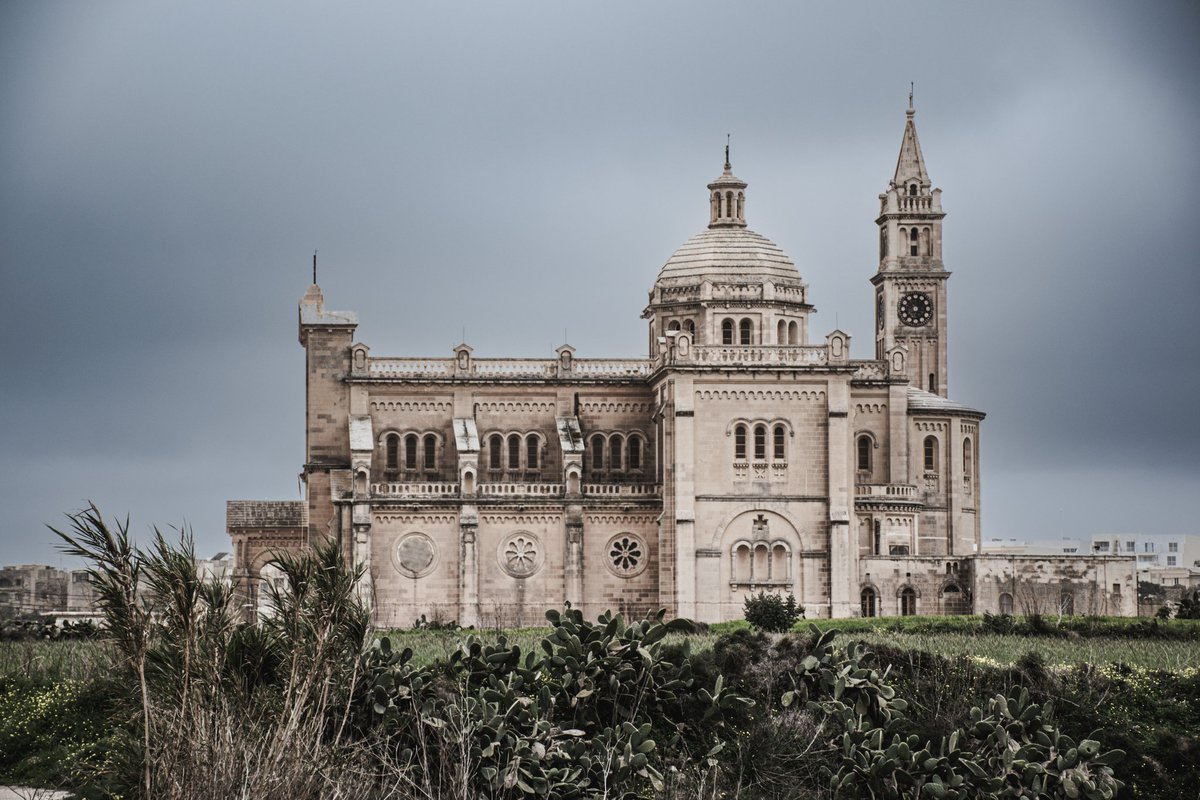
x: 514, y: 170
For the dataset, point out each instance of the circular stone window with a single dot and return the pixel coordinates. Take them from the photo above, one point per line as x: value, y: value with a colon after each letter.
x: 625, y: 555
x: 415, y: 555
x: 520, y: 555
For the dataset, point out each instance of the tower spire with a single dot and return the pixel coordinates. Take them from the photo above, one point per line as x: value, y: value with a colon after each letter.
x: 728, y: 166
x: 314, y: 267
x: 910, y: 166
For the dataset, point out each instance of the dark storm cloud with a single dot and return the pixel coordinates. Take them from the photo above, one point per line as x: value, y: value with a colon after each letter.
x: 515, y: 171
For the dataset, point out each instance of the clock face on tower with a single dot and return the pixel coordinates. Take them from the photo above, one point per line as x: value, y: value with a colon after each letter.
x: 916, y: 309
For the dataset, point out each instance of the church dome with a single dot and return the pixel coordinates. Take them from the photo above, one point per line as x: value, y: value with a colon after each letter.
x: 728, y: 252
x: 724, y: 255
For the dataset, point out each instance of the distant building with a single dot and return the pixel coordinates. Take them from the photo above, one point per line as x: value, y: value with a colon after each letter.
x: 218, y: 568
x: 32, y: 589
x: 39, y: 589
x: 1170, y: 561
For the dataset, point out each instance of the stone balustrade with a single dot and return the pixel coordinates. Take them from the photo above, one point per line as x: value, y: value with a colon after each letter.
x: 416, y: 489
x: 503, y: 368
x: 918, y: 203
x: 521, y: 490
x: 741, y: 355
x: 411, y: 367
x: 897, y: 491
x: 869, y: 370
x: 620, y: 490
x: 611, y: 367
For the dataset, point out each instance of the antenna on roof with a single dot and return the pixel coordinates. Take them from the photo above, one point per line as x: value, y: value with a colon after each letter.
x: 314, y: 267
x: 727, y: 167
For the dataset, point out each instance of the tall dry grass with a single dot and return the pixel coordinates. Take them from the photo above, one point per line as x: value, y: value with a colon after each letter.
x: 221, y: 708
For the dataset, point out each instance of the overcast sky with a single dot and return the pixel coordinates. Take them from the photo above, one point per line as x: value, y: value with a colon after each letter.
x: 520, y: 172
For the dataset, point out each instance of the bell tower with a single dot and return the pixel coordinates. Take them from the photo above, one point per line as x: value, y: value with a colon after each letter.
x: 910, y: 284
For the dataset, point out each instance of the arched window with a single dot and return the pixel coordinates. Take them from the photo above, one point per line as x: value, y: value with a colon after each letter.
x: 1066, y: 604
x: 729, y: 204
x: 635, y: 452
x: 931, y: 453
x: 870, y: 602
x: 925, y: 251
x: 689, y: 326
x: 597, y: 452
x: 878, y: 538
x: 745, y: 327
x: 514, y: 451
x: 393, y: 452
x: 430, y: 451
x: 968, y: 457
x: 727, y: 332
x: 932, y: 383
x: 913, y: 242
x: 495, y: 446
x: 741, y: 203
x: 615, y: 445
x: 779, y: 562
x: 760, y: 442
x: 780, y: 443
x: 912, y: 189
x: 760, y: 569
x: 673, y: 325
x: 741, y: 562
x: 864, y: 453
x: 533, y: 447
x: 410, y: 451
x: 908, y: 602
x: 793, y: 332
x: 739, y: 443
x: 781, y: 336
x: 1006, y: 603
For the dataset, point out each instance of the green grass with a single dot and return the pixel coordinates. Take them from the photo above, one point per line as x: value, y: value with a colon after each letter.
x: 1174, y: 645
x: 55, y: 661
x: 1005, y: 650
x: 1078, y: 640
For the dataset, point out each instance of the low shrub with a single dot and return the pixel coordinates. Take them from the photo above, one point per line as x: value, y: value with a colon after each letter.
x: 770, y: 612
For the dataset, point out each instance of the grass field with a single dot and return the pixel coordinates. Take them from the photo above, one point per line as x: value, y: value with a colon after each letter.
x: 1083, y: 641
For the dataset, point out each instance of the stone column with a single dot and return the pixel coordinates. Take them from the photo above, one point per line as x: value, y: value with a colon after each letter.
x: 361, y: 551
x: 573, y: 560
x: 843, y: 552
x: 468, y: 580
x: 684, y: 456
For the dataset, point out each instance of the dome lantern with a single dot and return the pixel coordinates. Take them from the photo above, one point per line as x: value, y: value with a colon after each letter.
x: 727, y: 199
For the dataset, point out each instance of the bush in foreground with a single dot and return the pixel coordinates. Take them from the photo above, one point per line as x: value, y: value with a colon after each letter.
x: 770, y: 612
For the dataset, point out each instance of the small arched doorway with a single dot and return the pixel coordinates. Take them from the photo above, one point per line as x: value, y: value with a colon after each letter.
x: 869, y: 602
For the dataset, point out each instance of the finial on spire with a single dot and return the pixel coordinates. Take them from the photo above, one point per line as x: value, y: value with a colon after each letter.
x: 911, y: 87
x: 727, y: 164
x: 314, y: 267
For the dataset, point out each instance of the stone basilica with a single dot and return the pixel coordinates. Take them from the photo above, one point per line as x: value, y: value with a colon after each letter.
x: 740, y: 456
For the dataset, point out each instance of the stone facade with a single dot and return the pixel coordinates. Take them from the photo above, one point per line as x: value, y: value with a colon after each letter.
x: 737, y: 457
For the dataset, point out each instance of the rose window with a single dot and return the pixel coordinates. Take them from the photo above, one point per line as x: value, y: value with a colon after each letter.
x: 520, y: 555
x: 626, y: 555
